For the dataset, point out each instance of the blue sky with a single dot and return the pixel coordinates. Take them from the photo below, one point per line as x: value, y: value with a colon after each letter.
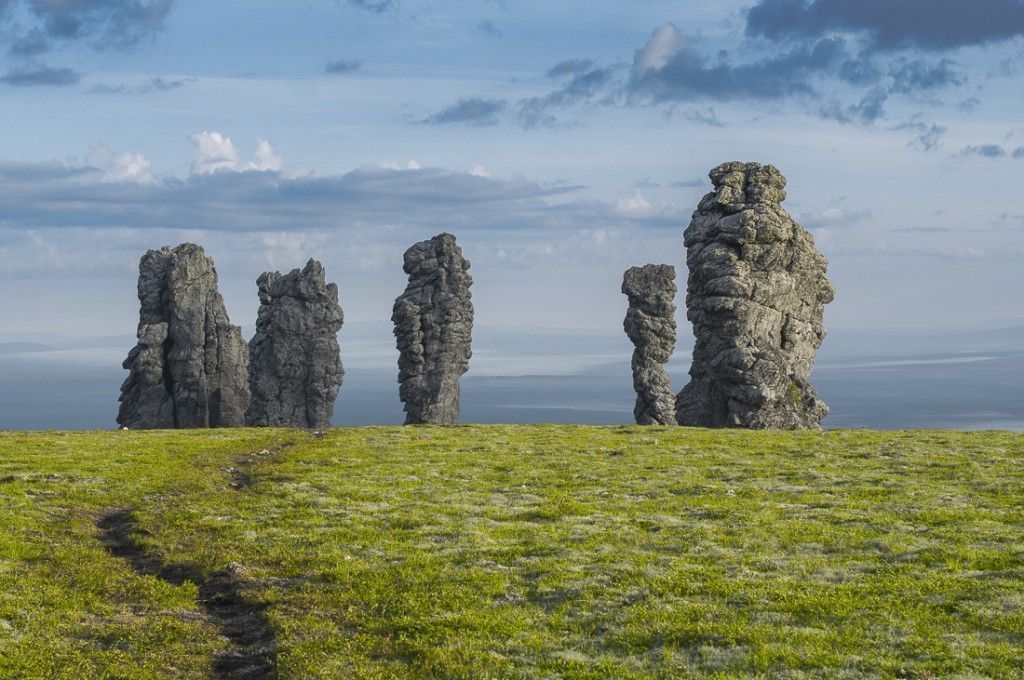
x: 560, y: 141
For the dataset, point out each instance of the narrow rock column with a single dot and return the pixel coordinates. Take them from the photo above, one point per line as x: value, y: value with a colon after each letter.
x: 756, y: 293
x: 433, y: 327
x: 190, y: 366
x: 295, y: 368
x: 651, y: 324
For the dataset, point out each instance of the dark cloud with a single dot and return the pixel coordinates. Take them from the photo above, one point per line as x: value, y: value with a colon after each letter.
x: 984, y: 151
x: 473, y: 111
x: 368, y: 216
x: 928, y: 135
x: 158, y: 84
x: 375, y: 6
x: 34, y: 75
x: 1018, y: 152
x: 968, y: 105
x: 342, y: 66
x: 671, y: 68
x: 890, y: 24
x: 490, y: 29
x: 868, y: 110
x: 105, y: 23
x: 862, y: 69
x: 31, y: 44
x: 917, y: 75
x: 570, y: 67
x: 50, y: 196
x: 1007, y: 68
x: 583, y: 83
x: 586, y: 84
x: 685, y: 74
x: 704, y: 117
x: 15, y: 172
x: 871, y: 107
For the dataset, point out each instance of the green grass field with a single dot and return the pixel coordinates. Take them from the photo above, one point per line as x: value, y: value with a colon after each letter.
x: 511, y: 552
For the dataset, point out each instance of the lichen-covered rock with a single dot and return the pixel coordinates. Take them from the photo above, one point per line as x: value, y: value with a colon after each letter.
x: 651, y: 324
x: 433, y: 326
x: 190, y: 366
x: 756, y: 293
x: 295, y: 367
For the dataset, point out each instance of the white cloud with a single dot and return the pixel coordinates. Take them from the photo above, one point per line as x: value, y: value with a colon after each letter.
x: 666, y: 41
x: 267, y: 157
x: 216, y: 153
x: 633, y: 206
x: 637, y: 207
x: 125, y: 167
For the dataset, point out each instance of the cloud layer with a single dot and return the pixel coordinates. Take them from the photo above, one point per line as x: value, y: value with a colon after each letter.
x: 935, y: 25
x: 104, y: 24
x: 472, y: 111
x: 36, y: 75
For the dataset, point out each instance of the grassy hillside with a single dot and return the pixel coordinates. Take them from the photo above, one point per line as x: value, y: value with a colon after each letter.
x: 511, y: 552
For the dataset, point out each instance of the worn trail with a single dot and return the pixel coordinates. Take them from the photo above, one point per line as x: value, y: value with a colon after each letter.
x: 253, y: 647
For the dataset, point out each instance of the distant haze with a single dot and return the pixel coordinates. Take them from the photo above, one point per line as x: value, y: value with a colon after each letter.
x: 961, y: 379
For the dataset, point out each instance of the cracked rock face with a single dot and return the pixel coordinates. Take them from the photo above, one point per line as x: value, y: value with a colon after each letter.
x: 190, y: 366
x: 650, y: 323
x: 756, y: 293
x: 433, y: 325
x: 295, y: 367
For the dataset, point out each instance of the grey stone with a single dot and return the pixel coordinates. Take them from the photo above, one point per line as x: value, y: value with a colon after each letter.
x: 189, y: 368
x: 651, y: 324
x: 756, y: 293
x: 433, y: 326
x: 295, y: 367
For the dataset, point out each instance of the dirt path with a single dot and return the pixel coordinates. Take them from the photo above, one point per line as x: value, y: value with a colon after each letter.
x: 252, y: 649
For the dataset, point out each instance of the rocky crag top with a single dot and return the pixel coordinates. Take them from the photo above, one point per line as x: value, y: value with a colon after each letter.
x: 190, y: 366
x: 433, y: 326
x: 756, y: 294
x: 295, y: 368
x: 650, y: 324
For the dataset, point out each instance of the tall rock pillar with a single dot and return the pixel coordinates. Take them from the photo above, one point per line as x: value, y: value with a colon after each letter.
x: 295, y: 368
x: 651, y: 324
x: 433, y: 327
x: 756, y: 293
x: 190, y: 366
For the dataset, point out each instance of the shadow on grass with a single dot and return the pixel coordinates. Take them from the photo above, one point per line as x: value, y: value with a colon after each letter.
x: 253, y: 648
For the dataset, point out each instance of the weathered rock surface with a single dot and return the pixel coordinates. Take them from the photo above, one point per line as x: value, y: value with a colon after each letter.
x: 650, y: 323
x: 756, y: 293
x: 190, y: 366
x: 295, y: 367
x: 433, y: 325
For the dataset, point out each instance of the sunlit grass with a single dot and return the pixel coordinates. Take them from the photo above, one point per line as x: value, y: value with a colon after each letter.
x: 524, y: 551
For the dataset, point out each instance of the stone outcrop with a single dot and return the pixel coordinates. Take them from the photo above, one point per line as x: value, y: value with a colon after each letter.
x: 433, y: 325
x: 651, y: 324
x: 756, y: 293
x: 295, y: 367
x: 190, y: 366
